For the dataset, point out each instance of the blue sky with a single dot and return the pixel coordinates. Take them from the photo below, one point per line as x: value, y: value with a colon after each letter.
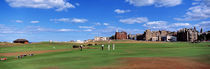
x: 65, y: 20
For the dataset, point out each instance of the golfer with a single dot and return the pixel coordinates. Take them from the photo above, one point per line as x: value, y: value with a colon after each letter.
x: 102, y: 47
x: 81, y: 46
x: 109, y: 47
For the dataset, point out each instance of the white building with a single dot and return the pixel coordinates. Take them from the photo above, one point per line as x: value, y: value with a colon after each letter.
x: 50, y: 41
x: 101, y: 38
x: 171, y: 38
x: 89, y: 40
x: 79, y: 41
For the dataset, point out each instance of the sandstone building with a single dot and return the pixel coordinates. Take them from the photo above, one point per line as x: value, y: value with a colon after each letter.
x: 120, y: 35
x: 157, y: 35
x: 131, y: 36
x: 148, y: 35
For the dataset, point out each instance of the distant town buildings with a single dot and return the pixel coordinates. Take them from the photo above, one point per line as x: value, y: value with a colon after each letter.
x: 190, y: 35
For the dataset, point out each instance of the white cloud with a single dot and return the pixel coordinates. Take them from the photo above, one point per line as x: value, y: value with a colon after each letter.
x: 180, y: 24
x: 19, y: 21
x: 97, y: 24
x: 15, y: 30
x: 141, y: 2
x: 34, y: 21
x: 167, y: 3
x: 66, y: 30
x: 134, y: 20
x: 88, y: 30
x: 106, y: 24
x: 87, y: 27
x: 77, y: 4
x: 109, y: 30
x: 35, y: 29
x: 199, y: 11
x: 74, y: 20
x: 163, y: 25
x: 58, y: 5
x: 5, y: 29
x: 157, y: 3
x: 60, y: 20
x: 30, y: 29
x: 77, y: 20
x: 204, y: 24
x: 118, y: 11
x: 156, y: 25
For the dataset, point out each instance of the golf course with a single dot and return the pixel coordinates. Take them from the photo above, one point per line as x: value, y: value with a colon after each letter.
x: 142, y: 55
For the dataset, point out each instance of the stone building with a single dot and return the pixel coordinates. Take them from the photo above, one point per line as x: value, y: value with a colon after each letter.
x: 120, y: 35
x: 112, y: 37
x: 131, y: 36
x: 148, y: 35
x: 139, y: 36
x: 156, y: 35
x: 187, y: 35
x: 207, y: 36
x: 204, y: 36
x: 155, y: 38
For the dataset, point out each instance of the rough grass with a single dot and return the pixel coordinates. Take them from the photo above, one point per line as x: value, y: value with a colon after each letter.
x: 90, y: 58
x: 5, y: 44
x: 35, y: 47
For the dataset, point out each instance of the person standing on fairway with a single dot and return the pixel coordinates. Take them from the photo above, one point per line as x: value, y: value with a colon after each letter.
x: 109, y: 47
x: 113, y: 46
x: 102, y: 47
x: 81, y: 46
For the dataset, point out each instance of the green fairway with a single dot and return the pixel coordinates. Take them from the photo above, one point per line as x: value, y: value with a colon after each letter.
x: 90, y: 58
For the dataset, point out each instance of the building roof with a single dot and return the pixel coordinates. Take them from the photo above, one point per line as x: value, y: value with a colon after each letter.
x: 21, y: 40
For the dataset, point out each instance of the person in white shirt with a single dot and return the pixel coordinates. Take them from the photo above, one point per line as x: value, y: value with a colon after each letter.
x: 81, y: 46
x: 102, y: 47
x: 113, y: 47
x: 109, y: 47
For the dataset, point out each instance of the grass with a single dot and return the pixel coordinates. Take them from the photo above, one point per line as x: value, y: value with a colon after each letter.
x: 90, y: 58
x: 35, y: 47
